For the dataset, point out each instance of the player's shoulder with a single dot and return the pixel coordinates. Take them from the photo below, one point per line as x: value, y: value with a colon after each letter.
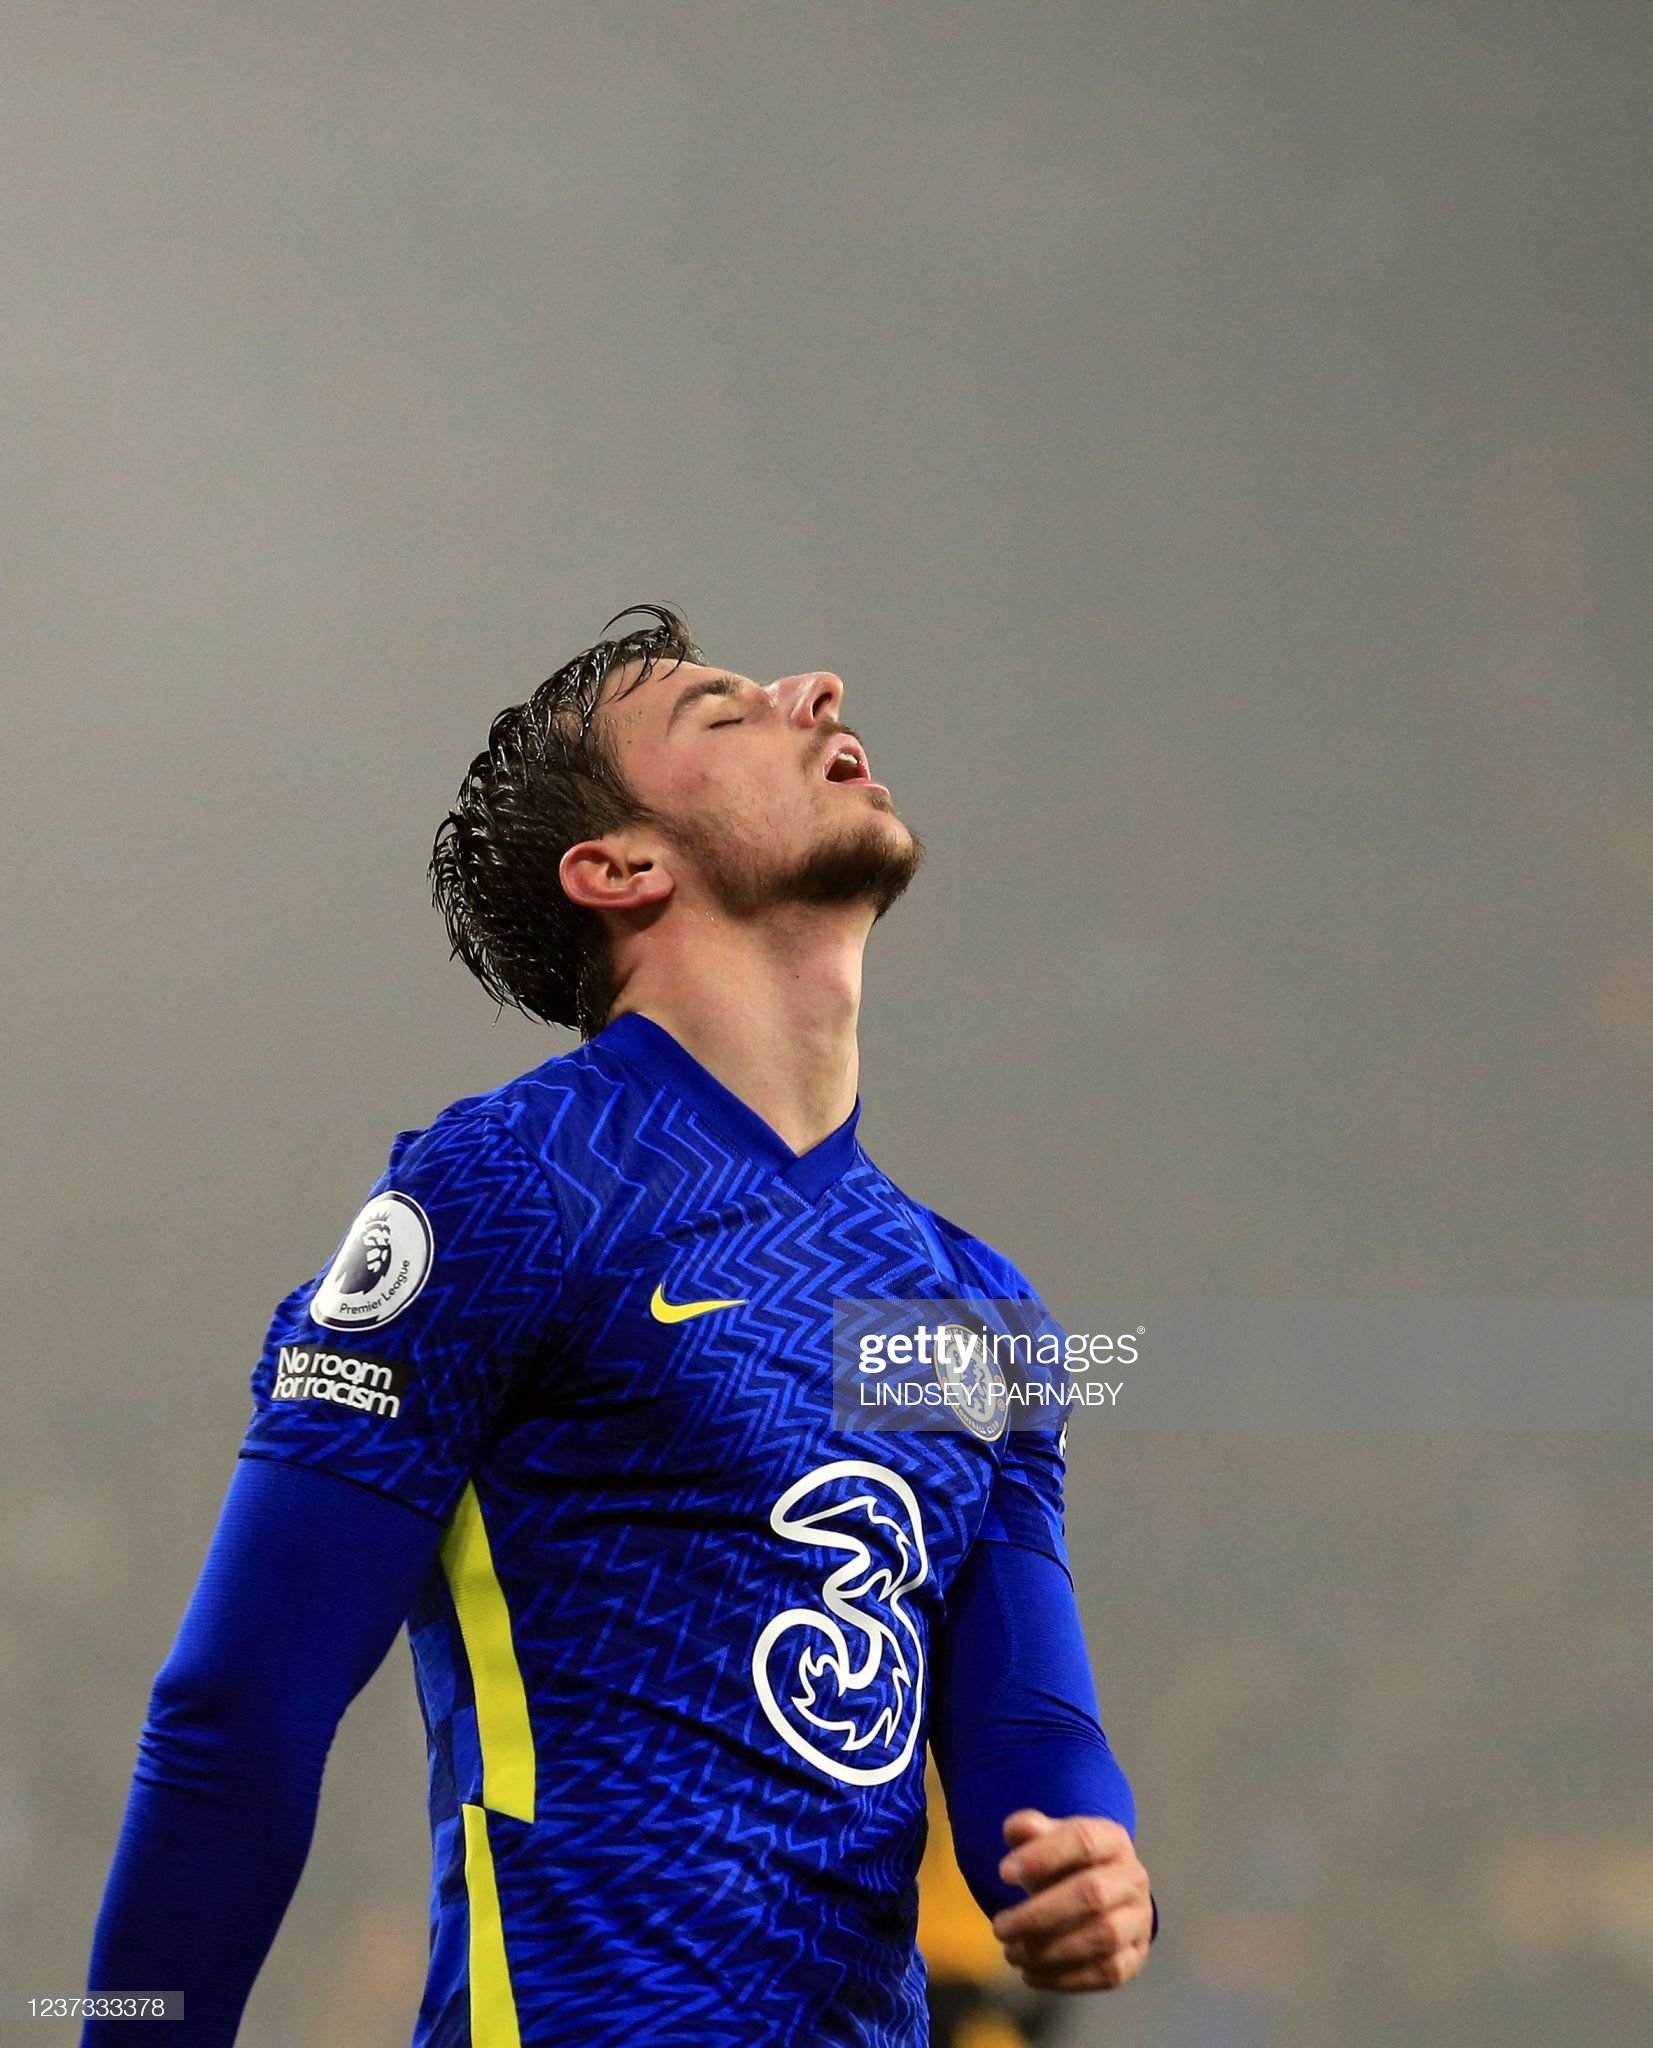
x: 982, y: 1266
x: 537, y: 1099
x: 527, y: 1124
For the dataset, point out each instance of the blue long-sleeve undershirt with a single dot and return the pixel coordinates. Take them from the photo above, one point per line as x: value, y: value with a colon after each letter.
x: 1014, y: 1719
x: 307, y: 1581
x: 305, y: 1584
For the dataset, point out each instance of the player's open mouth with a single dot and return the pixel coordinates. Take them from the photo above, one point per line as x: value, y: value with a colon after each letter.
x: 846, y: 762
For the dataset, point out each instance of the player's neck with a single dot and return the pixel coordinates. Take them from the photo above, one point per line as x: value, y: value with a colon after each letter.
x: 769, y: 1009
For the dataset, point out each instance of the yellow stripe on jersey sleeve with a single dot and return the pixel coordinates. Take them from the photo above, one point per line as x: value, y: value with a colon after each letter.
x: 502, y: 1727
x: 493, y: 2003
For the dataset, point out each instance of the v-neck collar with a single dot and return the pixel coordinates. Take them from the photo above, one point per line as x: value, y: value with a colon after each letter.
x: 652, y: 1051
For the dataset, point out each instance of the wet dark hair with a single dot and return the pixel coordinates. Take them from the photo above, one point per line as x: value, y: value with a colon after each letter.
x: 548, y: 778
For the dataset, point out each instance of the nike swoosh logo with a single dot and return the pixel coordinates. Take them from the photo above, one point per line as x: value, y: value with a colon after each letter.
x: 664, y: 1311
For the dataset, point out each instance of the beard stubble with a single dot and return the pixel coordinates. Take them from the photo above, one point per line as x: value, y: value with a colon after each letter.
x: 866, y: 865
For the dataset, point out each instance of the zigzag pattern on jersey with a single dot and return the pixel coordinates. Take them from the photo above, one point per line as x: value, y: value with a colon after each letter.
x: 688, y: 1876
x: 640, y: 1566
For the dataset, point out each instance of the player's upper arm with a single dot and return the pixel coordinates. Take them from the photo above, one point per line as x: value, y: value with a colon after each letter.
x: 1025, y: 1505
x: 392, y: 1365
x: 272, y: 1650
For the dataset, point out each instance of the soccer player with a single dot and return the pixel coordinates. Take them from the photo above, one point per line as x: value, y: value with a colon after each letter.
x: 560, y: 1403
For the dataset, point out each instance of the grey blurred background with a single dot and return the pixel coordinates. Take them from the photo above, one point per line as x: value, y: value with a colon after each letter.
x: 1212, y: 443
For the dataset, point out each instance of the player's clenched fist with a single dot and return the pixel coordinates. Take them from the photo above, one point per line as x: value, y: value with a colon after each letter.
x: 1087, y: 1925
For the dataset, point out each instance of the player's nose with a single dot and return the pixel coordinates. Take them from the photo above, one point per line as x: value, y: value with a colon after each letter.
x: 813, y: 698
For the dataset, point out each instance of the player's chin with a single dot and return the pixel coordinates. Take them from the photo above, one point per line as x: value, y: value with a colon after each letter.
x: 876, y: 812
x: 866, y: 819
x: 890, y: 849
x: 868, y: 861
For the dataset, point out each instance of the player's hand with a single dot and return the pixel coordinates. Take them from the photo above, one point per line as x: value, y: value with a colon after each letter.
x: 1087, y: 1924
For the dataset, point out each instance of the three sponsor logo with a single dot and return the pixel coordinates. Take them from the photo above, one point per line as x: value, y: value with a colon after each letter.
x: 842, y: 1683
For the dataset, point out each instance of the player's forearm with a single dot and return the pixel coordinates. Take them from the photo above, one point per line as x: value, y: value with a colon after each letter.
x: 214, y: 1839
x: 1062, y: 1775
x: 1015, y: 1723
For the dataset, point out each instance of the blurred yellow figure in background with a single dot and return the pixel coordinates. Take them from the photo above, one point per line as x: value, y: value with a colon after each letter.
x: 976, y: 1999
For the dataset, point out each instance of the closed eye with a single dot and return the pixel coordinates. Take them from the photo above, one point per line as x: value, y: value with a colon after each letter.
x: 716, y: 722
x: 713, y: 686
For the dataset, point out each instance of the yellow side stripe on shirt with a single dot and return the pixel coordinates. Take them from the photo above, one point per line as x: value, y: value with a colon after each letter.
x: 502, y: 1728
x: 493, y: 2003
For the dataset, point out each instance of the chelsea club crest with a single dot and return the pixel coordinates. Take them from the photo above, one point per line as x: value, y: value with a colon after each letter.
x: 973, y: 1387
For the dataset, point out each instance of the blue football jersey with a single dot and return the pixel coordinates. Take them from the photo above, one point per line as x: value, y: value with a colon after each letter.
x: 674, y: 1656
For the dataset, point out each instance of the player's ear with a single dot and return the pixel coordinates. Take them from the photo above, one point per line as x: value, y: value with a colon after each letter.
x: 614, y: 874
